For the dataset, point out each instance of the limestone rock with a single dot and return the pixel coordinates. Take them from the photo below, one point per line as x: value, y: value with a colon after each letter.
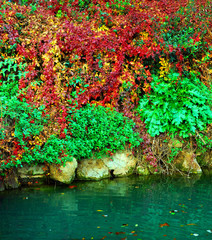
x: 28, y: 170
x: 33, y: 174
x: 11, y: 180
x: 64, y: 174
x: 92, y: 169
x: 186, y: 162
x: 122, y: 163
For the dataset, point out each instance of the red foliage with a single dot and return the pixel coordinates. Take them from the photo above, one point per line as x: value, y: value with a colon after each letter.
x: 93, y: 54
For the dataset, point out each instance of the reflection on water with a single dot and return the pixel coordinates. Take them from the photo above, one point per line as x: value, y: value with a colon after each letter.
x: 152, y: 207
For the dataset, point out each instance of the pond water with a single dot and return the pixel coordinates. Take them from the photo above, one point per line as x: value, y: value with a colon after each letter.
x: 153, y: 207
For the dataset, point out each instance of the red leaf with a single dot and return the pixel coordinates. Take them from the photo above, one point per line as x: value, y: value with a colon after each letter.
x: 72, y: 186
x: 164, y: 225
x: 117, y: 233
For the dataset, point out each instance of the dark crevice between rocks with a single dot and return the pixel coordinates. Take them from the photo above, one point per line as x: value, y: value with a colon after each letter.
x: 112, y: 174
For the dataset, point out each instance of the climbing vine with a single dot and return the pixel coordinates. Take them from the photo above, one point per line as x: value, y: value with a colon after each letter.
x: 59, y: 56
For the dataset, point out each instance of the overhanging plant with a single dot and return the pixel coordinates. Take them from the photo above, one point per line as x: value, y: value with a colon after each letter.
x: 180, y: 106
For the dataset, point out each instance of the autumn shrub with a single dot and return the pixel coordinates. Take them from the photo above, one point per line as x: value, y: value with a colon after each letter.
x: 181, y: 105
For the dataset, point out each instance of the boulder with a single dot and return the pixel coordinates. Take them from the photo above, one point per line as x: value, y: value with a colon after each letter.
x: 64, y: 174
x: 27, y: 170
x: 11, y: 180
x: 92, y: 169
x: 185, y: 161
x: 32, y: 174
x: 121, y: 164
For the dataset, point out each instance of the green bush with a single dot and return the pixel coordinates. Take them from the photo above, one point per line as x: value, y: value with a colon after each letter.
x: 93, y: 131
x: 101, y: 130
x: 51, y: 152
x: 26, y: 119
x: 179, y: 106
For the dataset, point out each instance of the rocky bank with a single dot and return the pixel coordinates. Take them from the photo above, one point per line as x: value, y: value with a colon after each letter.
x: 121, y: 164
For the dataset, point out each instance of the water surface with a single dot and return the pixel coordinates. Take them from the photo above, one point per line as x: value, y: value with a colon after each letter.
x: 136, y: 208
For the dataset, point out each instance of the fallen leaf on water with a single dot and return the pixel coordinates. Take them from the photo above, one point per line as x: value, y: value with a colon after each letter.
x: 103, y: 238
x: 72, y: 186
x: 164, y: 225
x: 135, y: 234
x: 191, y: 224
x: 98, y: 226
x: 124, y: 238
x: 110, y: 232
x: 124, y: 225
x: 99, y: 210
x: 117, y: 233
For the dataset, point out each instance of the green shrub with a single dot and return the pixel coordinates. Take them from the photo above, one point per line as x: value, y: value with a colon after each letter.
x: 94, y: 131
x: 51, y: 152
x: 180, y: 105
x: 27, y: 120
x: 101, y: 130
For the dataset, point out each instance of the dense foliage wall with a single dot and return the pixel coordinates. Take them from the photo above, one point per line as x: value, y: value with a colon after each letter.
x: 147, y: 63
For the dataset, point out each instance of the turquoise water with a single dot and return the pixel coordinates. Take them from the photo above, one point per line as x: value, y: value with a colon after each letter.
x: 152, y: 207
